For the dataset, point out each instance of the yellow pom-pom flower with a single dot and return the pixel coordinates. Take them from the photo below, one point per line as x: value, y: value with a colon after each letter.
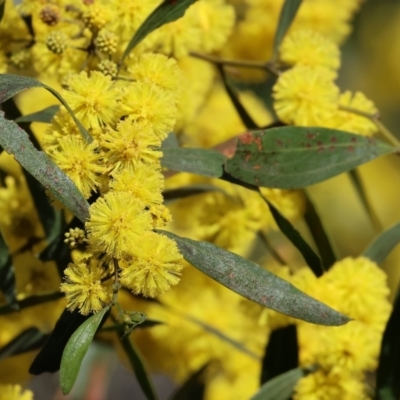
x: 130, y: 144
x: 305, y: 96
x: 146, y: 103
x: 117, y: 223
x: 80, y: 161
x: 145, y: 182
x: 83, y: 287
x: 353, y: 122
x: 157, y: 69
x: 309, y: 48
x: 94, y: 99
x: 156, y: 266
x: 14, y: 392
x: 361, y: 287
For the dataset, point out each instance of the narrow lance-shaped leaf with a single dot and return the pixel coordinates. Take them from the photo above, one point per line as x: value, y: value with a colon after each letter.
x: 281, y: 353
x: 15, y: 141
x: 29, y: 339
x: 11, y: 84
x: 319, y: 235
x: 193, y: 388
x: 309, y: 255
x: 380, y: 248
x: 7, y: 276
x: 45, y: 115
x: 139, y: 366
x: 75, y: 350
x: 197, y: 161
x: 296, y: 157
x: 255, y: 283
x: 167, y: 11
x: 246, y: 118
x: 281, y: 387
x: 288, y: 13
x: 387, y: 377
x: 2, y: 7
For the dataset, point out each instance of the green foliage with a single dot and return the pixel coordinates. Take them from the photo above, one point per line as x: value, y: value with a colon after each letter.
x: 387, y: 379
x: 139, y: 367
x: 288, y: 13
x: 29, y: 339
x: 380, y: 248
x: 296, y: 157
x: 198, y: 161
x: 7, y: 275
x: 281, y: 387
x: 255, y: 283
x: 12, y: 84
x: 167, y: 11
x: 15, y: 141
x: 76, y: 348
x: 45, y: 115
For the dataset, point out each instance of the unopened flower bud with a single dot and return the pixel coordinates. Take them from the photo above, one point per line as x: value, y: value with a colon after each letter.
x: 50, y: 14
x: 57, y: 42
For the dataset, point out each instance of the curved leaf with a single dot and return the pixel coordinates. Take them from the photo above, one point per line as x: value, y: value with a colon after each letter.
x: 75, y: 350
x: 29, y: 339
x: 197, y: 161
x: 281, y: 387
x: 11, y: 84
x: 138, y: 366
x: 380, y: 248
x: 190, y: 190
x: 288, y: 13
x: 2, y: 7
x: 7, y: 276
x: 193, y: 388
x: 281, y: 353
x: 387, y: 378
x: 15, y: 141
x: 309, y: 255
x: 167, y: 11
x: 295, y: 157
x: 45, y: 115
x: 246, y: 118
x: 255, y: 283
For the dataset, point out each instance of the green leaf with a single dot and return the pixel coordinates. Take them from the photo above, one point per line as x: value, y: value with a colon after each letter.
x: 45, y: 115
x: 246, y: 118
x: 295, y: 157
x: 29, y: 339
x: 288, y: 13
x: 12, y: 84
x: 193, y: 388
x: 319, y: 235
x: 281, y: 353
x: 170, y: 141
x: 255, y: 283
x: 387, y: 379
x: 49, y: 216
x: 15, y: 141
x: 167, y: 11
x: 49, y: 357
x: 7, y: 276
x: 31, y: 301
x: 197, y: 161
x: 149, y: 323
x: 2, y: 7
x: 281, y: 387
x: 312, y: 260
x: 75, y: 350
x: 190, y: 190
x: 138, y: 366
x: 380, y: 248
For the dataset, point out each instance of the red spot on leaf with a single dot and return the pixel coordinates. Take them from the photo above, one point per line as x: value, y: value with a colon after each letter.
x: 259, y: 143
x: 333, y: 139
x: 246, y: 138
x: 247, y: 158
x: 350, y: 149
x: 331, y: 148
x: 311, y: 135
x: 309, y: 146
x: 257, y: 167
x: 279, y: 142
x: 354, y: 139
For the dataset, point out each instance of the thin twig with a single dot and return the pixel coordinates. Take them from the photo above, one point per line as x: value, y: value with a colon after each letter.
x: 267, y: 66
